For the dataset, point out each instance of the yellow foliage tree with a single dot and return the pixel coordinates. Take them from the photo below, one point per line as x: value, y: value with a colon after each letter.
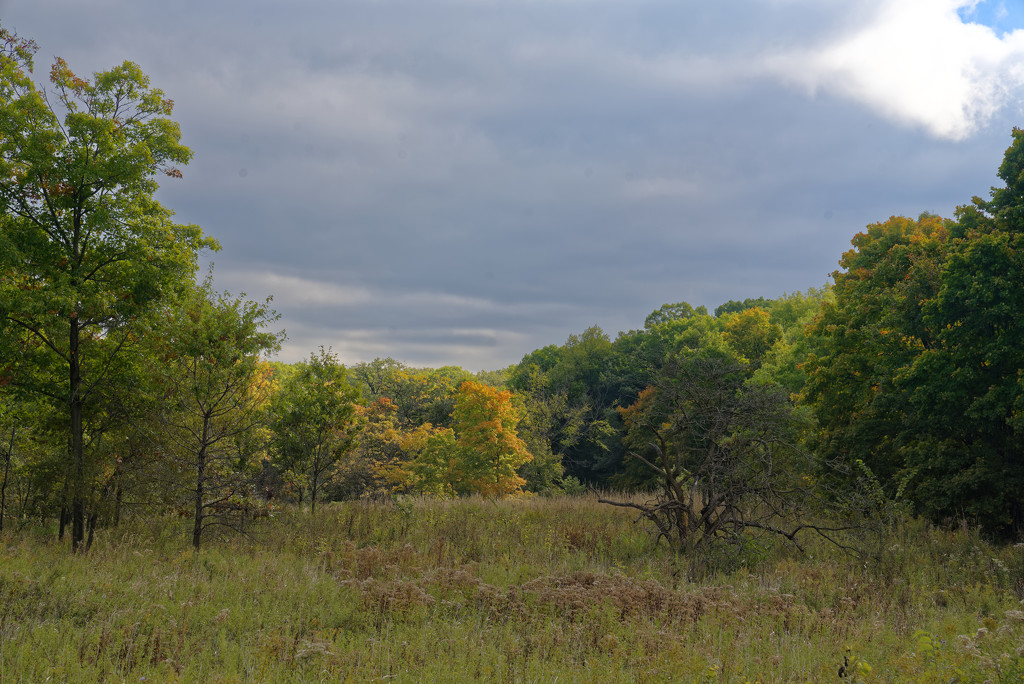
x: 490, y: 450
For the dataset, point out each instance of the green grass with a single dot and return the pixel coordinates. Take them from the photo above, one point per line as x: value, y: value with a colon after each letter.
x: 533, y: 590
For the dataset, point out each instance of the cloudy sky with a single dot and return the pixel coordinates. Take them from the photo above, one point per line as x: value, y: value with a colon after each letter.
x: 463, y: 181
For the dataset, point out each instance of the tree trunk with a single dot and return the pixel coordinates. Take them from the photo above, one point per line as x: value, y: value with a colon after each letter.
x: 77, y: 442
x: 7, y: 472
x: 197, y: 526
x: 117, y: 503
x: 92, y: 530
x: 314, y: 485
x: 64, y: 517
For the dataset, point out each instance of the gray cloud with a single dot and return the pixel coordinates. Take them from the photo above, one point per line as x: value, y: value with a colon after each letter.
x: 461, y: 182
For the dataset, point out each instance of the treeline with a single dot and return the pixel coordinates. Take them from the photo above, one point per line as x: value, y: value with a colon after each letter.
x: 126, y: 387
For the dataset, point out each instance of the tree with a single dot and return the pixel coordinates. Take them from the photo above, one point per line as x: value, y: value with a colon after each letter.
x: 865, y: 338
x: 315, y: 422
x: 723, y: 452
x: 671, y: 312
x: 964, y: 391
x: 376, y: 463
x: 215, y: 388
x: 491, y: 451
x: 85, y: 249
x: 751, y: 333
x: 436, y: 462
x: 733, y: 306
x: 418, y: 395
x: 915, y: 367
x: 549, y: 425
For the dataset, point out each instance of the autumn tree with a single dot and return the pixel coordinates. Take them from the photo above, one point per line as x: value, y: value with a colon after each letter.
x: 375, y: 465
x: 315, y: 423
x: 85, y: 249
x: 491, y: 451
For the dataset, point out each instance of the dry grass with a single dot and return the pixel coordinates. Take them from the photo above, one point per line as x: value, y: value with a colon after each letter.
x: 534, y: 589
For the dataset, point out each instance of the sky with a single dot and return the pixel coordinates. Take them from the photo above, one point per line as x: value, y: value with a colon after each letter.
x: 460, y: 182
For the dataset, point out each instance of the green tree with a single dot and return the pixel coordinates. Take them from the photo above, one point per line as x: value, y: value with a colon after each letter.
x: 418, y: 395
x: 722, y: 452
x: 671, y: 312
x: 436, y: 463
x: 865, y: 337
x: 215, y: 387
x: 85, y: 249
x: 751, y: 333
x: 316, y: 423
x: 965, y: 393
x: 734, y: 306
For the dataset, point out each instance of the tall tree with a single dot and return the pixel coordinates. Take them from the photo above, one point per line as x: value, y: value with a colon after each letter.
x: 966, y: 388
x: 315, y: 422
x: 867, y: 336
x: 85, y: 249
x: 215, y: 387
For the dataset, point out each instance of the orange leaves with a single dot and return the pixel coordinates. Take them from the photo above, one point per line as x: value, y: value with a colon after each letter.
x: 62, y: 76
x: 634, y: 413
x: 485, y: 422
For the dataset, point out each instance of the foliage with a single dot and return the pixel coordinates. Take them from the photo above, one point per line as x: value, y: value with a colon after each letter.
x: 491, y: 451
x: 315, y: 422
x: 915, y: 365
x: 214, y: 386
x: 752, y: 334
x: 670, y: 312
x: 863, y: 338
x: 436, y: 464
x: 375, y: 464
x: 964, y: 390
x: 85, y: 249
x: 418, y: 395
x: 723, y: 453
x: 734, y: 307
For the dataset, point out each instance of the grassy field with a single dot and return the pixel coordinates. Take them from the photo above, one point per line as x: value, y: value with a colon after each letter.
x: 533, y: 590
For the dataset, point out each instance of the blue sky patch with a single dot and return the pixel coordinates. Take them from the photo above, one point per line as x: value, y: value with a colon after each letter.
x: 1003, y: 16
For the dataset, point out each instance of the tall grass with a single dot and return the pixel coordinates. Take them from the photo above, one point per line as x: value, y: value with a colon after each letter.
x: 534, y: 589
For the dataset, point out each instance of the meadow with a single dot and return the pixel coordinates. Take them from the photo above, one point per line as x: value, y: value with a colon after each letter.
x: 518, y: 590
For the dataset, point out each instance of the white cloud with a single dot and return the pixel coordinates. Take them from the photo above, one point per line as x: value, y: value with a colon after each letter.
x: 918, y: 62
x: 298, y: 292
x: 474, y: 349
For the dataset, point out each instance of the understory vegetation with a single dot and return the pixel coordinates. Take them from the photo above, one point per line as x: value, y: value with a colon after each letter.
x: 529, y: 589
